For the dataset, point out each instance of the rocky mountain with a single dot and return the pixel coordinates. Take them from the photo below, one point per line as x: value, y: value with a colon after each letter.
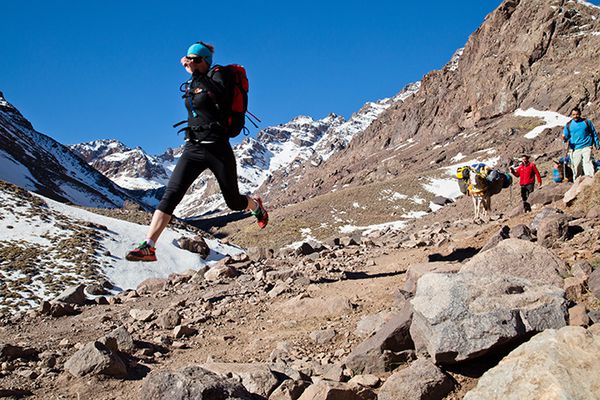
x: 527, y: 65
x: 39, y: 163
x: 278, y: 151
x: 129, y: 168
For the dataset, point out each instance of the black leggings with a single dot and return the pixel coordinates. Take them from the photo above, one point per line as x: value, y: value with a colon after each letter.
x: 217, y: 157
x: 526, y: 190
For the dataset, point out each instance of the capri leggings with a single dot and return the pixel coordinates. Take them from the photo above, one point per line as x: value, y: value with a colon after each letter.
x: 217, y: 157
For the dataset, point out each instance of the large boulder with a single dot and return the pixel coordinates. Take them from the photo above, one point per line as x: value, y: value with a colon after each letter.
x: 519, y: 258
x: 95, y: 358
x: 191, y: 383
x: 555, y: 364
x: 415, y: 271
x: 257, y: 378
x: 462, y: 316
x: 379, y: 353
x: 422, y: 380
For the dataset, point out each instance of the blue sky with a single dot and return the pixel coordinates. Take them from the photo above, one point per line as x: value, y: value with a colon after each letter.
x: 81, y: 71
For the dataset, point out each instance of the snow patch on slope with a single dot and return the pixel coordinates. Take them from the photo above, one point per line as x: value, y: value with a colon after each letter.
x: 551, y: 119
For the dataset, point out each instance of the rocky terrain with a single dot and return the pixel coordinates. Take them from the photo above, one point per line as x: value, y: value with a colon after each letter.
x: 372, y: 281
x: 442, y: 309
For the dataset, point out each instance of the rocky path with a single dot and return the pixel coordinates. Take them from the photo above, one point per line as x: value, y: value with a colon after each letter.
x: 349, y: 316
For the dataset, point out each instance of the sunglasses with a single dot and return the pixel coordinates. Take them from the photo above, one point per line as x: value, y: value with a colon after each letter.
x: 196, y: 60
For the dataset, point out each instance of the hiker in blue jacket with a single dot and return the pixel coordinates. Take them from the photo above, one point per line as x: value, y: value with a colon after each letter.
x: 581, y: 136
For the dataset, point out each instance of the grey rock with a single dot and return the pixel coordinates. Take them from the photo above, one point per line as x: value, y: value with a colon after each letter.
x: 422, y: 380
x: 96, y: 290
x: 323, y: 336
x: 497, y: 238
x: 142, y: 315
x: 522, y: 232
x: 152, y: 285
x: 545, y: 213
x: 289, y: 390
x: 57, y: 310
x: 462, y: 316
x: 519, y: 258
x: 184, y: 330
x: 121, y: 337
x: 578, y: 186
x: 549, y: 193
x: 72, y: 295
x: 169, y: 319
x: 553, y: 229
x: 378, y: 352
x: 366, y: 380
x: 191, y: 383
x: 93, y: 359
x: 370, y: 324
x: 257, y: 378
x: 441, y: 201
x: 594, y: 282
x: 581, y: 269
x: 415, y: 271
x: 326, y: 390
x: 593, y: 213
x: 197, y: 245
x: 554, y: 364
x: 219, y: 272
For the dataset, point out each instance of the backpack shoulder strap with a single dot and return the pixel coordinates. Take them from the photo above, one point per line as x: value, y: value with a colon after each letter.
x: 588, y: 126
x: 569, y: 127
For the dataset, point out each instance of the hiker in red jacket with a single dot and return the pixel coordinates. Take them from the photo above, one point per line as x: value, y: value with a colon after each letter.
x: 527, y: 172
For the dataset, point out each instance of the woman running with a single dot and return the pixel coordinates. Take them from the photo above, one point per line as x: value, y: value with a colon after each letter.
x: 207, y: 146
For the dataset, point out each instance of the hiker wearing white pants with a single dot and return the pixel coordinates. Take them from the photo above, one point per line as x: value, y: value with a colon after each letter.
x: 582, y: 161
x: 581, y: 136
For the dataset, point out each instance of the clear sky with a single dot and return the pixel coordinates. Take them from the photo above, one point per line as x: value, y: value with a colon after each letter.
x: 85, y: 70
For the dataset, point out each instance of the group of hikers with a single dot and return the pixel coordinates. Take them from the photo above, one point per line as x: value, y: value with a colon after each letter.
x: 580, y: 135
x: 216, y: 101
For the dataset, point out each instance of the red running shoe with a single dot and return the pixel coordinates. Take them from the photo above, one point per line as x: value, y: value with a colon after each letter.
x: 144, y: 252
x: 261, y: 214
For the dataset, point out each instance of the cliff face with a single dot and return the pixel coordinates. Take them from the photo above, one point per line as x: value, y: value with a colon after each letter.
x: 535, y: 54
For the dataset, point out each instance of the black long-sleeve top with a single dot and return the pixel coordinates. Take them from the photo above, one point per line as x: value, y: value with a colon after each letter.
x: 202, y: 99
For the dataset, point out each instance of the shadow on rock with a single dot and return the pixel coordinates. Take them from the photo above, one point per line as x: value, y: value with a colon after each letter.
x: 457, y: 255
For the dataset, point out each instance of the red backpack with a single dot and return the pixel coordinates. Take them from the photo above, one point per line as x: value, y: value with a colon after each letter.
x: 236, y: 88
